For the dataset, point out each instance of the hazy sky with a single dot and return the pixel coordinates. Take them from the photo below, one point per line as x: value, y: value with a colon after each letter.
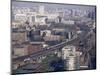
x: 46, y: 5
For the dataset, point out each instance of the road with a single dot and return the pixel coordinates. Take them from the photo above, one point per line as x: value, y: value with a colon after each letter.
x: 47, y: 50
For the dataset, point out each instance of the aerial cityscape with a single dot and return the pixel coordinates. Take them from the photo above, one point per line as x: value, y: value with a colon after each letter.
x: 48, y: 37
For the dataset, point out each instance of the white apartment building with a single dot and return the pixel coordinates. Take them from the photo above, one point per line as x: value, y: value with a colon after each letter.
x: 67, y: 51
x: 69, y: 54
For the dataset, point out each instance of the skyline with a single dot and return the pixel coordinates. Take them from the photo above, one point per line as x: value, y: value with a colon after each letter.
x: 63, y: 39
x: 53, y: 5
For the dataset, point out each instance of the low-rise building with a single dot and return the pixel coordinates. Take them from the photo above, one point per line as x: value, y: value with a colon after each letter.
x: 19, y: 37
x: 47, y: 32
x: 34, y: 47
x: 68, y: 22
x: 20, y: 50
x: 16, y: 24
x: 52, y: 38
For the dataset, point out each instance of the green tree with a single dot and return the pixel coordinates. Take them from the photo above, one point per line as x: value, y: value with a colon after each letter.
x: 46, y: 62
